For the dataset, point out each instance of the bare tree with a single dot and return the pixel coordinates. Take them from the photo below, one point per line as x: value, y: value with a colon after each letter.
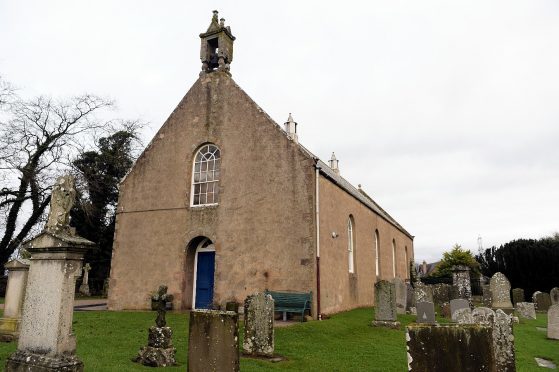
x: 37, y: 140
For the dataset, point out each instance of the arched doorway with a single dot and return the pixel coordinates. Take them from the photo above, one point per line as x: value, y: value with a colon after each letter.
x: 203, y: 273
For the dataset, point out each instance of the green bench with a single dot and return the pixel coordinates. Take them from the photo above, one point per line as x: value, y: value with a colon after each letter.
x: 291, y: 302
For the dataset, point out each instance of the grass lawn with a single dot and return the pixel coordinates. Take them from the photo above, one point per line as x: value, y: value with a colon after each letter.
x: 108, y: 340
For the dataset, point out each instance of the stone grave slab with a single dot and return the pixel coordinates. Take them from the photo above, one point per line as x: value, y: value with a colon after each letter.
x: 259, y: 325
x: 553, y: 322
x: 526, y: 310
x: 541, y: 300
x: 425, y: 312
x: 500, y: 292
x: 554, y: 295
x: 517, y: 296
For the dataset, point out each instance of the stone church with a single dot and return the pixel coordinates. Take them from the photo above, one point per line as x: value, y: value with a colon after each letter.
x: 225, y: 202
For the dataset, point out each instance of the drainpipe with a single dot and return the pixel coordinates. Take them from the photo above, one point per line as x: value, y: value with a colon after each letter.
x: 317, y: 221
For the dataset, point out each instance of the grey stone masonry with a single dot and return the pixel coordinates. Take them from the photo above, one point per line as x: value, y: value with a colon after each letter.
x: 541, y: 300
x: 259, y: 325
x: 213, y: 341
x: 554, y: 295
x: 461, y: 281
x: 526, y: 310
x: 18, y: 269
x: 425, y: 312
x: 385, y: 305
x: 458, y: 304
x: 553, y: 322
x: 517, y: 296
x: 449, y: 347
x: 401, y: 295
x: 500, y: 292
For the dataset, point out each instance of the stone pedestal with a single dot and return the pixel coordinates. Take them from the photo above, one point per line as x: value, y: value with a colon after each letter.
x: 18, y: 271
x: 213, y: 341
x: 259, y: 325
x: 160, y: 351
x: 46, y: 341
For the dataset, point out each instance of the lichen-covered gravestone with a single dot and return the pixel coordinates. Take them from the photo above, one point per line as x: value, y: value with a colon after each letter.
x: 449, y: 347
x: 486, y: 299
x: 401, y: 295
x: 213, y: 341
x: 442, y: 293
x: 517, y: 296
x: 409, y: 297
x: 503, y: 342
x: 423, y: 292
x: 385, y: 305
x: 554, y: 295
x: 461, y: 281
x: 541, y: 300
x: 463, y: 316
x: 500, y: 292
x: 259, y: 325
x: 553, y: 322
x: 458, y: 304
x: 425, y: 312
x: 526, y: 310
x: 160, y: 351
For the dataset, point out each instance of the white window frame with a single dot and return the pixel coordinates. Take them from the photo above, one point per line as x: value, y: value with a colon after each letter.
x: 377, y: 254
x: 214, y: 181
x: 394, y: 257
x: 350, y: 245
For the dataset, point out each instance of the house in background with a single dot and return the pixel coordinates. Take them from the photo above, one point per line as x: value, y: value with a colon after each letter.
x: 224, y: 203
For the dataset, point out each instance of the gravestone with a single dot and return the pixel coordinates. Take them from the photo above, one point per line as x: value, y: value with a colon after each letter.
x: 425, y: 312
x: 18, y: 269
x: 385, y: 305
x: 526, y: 310
x: 259, y: 325
x: 160, y: 351
x: 554, y: 295
x: 46, y: 342
x: 401, y: 294
x: 441, y: 293
x: 458, y: 304
x: 409, y: 297
x: 553, y: 322
x: 449, y: 347
x: 503, y: 342
x: 461, y: 281
x: 541, y: 300
x: 517, y: 296
x: 500, y: 292
x: 213, y: 341
x: 463, y: 316
x: 84, y: 287
x: 483, y: 315
x: 423, y: 292
x: 486, y: 299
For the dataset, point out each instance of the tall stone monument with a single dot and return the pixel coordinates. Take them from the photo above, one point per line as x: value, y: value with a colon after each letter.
x: 500, y: 292
x: 18, y: 269
x: 385, y: 305
x: 553, y: 322
x: 461, y: 281
x: 401, y: 295
x: 46, y: 341
x: 259, y: 325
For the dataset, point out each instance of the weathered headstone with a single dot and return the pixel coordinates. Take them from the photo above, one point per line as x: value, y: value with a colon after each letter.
x: 483, y: 315
x: 46, y: 341
x: 425, y: 312
x: 441, y: 293
x: 554, y: 295
x: 160, y: 351
x: 517, y: 296
x: 423, y: 292
x: 409, y: 297
x: 526, y: 310
x: 553, y: 322
x: 385, y: 305
x: 541, y: 300
x: 486, y: 299
x: 401, y: 294
x: 445, y: 310
x: 259, y: 325
x: 463, y: 316
x: 503, y: 342
x: 213, y: 341
x: 18, y: 269
x: 500, y: 292
x: 458, y: 304
x: 461, y: 281
x: 467, y: 347
x: 84, y: 287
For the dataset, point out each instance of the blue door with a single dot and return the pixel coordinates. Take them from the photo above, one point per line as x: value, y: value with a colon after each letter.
x: 205, y: 280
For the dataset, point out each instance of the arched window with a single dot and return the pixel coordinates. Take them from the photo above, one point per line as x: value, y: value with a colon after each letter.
x: 394, y: 257
x: 377, y: 254
x: 407, y: 262
x: 205, y: 176
x: 350, y: 243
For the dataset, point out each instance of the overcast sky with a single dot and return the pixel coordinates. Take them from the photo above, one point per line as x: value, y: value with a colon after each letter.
x: 446, y: 112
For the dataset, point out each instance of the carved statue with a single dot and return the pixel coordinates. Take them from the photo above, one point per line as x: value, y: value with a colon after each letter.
x: 62, y: 200
x: 160, y: 300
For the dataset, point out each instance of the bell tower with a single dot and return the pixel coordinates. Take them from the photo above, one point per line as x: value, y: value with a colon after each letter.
x: 216, y: 51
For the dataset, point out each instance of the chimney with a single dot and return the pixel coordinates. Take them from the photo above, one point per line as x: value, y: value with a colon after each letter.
x: 333, y: 162
x: 291, y: 128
